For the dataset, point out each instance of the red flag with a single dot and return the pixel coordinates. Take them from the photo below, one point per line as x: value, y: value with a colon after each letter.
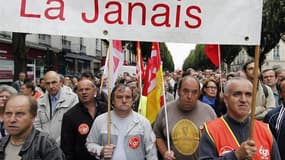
x: 147, y: 77
x: 212, y: 52
x: 117, y: 60
x: 140, y: 68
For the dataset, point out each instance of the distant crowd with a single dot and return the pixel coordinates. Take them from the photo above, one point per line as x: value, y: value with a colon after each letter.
x: 207, y: 116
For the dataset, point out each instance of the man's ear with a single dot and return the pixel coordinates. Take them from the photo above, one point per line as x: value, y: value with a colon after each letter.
x: 225, y: 98
x: 95, y: 92
x: 178, y: 92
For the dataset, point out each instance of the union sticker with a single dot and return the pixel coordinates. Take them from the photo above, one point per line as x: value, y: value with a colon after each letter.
x: 83, y: 128
x: 134, y: 142
x: 225, y: 149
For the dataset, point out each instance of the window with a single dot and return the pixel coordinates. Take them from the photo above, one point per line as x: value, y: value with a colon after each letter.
x: 276, y: 53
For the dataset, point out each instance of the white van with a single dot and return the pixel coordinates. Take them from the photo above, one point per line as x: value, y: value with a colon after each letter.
x: 130, y: 69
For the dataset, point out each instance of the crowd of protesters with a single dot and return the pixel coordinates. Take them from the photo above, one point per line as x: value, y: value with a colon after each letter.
x: 206, y: 117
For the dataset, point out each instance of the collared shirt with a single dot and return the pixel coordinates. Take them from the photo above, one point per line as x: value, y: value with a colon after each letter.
x: 276, y: 97
x: 53, y: 101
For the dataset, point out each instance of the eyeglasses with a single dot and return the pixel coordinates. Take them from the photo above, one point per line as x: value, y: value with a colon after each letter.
x: 211, y: 87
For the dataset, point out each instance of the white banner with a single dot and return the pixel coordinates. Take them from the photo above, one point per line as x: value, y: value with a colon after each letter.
x: 187, y: 21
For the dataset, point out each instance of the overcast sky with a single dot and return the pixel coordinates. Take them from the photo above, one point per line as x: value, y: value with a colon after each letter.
x: 179, y: 52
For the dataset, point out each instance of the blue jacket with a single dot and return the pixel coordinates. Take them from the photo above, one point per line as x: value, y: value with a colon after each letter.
x: 276, y: 120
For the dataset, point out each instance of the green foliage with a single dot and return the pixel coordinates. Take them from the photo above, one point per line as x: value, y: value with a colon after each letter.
x: 166, y: 57
x: 197, y: 59
x: 229, y: 53
x: 273, y: 27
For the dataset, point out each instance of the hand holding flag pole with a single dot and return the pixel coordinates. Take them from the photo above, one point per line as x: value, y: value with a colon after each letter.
x: 110, y: 64
x: 115, y: 60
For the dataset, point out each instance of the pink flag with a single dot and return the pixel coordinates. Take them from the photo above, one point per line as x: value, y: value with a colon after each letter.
x: 116, y: 61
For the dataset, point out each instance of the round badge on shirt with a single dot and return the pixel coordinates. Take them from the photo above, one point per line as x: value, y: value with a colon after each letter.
x: 185, y: 136
x: 134, y: 142
x: 225, y: 149
x: 83, y: 128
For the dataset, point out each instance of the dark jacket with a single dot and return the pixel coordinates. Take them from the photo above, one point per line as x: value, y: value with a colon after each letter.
x: 240, y: 130
x: 17, y: 85
x: 278, y: 130
x: 38, y: 145
x: 76, y: 125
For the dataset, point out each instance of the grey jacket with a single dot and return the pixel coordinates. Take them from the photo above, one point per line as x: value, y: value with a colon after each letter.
x: 52, y: 125
x: 38, y: 145
x: 139, y: 129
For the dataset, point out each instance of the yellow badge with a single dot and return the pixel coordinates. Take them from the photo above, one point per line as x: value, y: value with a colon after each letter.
x: 185, y: 137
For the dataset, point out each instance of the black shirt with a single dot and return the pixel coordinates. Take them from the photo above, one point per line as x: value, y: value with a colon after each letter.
x: 76, y: 124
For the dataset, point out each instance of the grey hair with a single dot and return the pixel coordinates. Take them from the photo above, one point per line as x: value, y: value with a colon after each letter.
x: 7, y: 88
x: 231, y: 81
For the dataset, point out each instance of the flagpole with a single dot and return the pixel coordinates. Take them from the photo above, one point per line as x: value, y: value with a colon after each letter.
x: 166, y: 118
x: 101, y: 85
x: 140, y: 72
x: 166, y: 123
x: 103, y: 75
x: 140, y: 80
x: 254, y: 90
x: 109, y: 93
x: 220, y: 68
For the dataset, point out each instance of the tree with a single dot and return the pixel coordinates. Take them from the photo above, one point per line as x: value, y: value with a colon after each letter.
x: 20, y: 52
x: 197, y: 59
x: 166, y: 57
x: 229, y: 53
x: 273, y: 27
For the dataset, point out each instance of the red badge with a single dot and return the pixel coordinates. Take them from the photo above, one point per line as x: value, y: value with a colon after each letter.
x: 134, y: 142
x: 83, y: 129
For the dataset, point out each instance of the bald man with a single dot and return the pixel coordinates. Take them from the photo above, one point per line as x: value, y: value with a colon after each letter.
x: 186, y: 116
x: 52, y: 105
x: 78, y: 121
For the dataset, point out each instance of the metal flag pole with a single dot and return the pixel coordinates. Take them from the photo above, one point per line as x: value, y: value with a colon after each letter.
x: 220, y: 69
x: 166, y: 117
x: 103, y: 75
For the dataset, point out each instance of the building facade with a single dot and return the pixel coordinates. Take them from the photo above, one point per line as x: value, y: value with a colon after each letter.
x: 65, y: 54
x: 275, y: 58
